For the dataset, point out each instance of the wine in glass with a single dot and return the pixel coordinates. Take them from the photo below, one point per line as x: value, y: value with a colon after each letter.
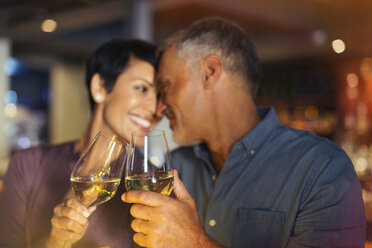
x: 149, y: 165
x: 96, y: 176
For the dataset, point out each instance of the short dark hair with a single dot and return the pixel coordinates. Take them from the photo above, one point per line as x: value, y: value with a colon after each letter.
x: 111, y: 59
x: 215, y: 35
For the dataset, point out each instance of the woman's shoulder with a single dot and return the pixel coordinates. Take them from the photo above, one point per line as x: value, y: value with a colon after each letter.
x: 42, y: 149
x: 39, y: 152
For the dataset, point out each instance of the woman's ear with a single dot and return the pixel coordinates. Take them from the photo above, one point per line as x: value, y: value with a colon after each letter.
x: 97, y: 88
x: 212, y: 67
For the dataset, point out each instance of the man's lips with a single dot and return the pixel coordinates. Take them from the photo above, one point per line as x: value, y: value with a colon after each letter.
x: 141, y: 121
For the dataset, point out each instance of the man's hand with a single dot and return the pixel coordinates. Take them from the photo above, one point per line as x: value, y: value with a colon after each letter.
x: 69, y: 223
x: 162, y: 221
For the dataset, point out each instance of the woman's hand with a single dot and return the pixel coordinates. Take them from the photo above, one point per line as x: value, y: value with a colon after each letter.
x: 69, y: 223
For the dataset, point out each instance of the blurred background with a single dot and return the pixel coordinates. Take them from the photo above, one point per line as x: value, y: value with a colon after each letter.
x: 316, y: 57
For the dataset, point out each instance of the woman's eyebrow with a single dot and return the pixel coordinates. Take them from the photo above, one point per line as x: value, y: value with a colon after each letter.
x: 144, y: 80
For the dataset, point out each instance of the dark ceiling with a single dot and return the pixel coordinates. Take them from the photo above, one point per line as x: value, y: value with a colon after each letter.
x: 283, y: 29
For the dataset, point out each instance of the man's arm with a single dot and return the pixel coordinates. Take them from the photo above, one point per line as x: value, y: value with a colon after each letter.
x: 331, y: 212
x: 162, y: 221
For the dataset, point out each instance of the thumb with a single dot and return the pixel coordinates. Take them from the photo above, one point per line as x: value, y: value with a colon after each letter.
x: 180, y: 190
x: 92, y: 209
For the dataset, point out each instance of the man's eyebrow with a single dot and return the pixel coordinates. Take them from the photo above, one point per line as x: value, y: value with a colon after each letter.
x: 161, y: 81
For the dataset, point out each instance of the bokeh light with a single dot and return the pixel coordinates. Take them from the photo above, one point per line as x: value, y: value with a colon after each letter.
x: 338, y: 46
x: 49, y: 25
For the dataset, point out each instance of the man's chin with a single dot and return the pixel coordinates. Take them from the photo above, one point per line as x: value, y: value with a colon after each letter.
x: 183, y: 139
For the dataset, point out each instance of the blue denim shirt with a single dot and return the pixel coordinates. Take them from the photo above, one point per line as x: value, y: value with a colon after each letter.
x: 279, y: 187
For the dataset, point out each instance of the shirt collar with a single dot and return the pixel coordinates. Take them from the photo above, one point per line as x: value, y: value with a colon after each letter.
x: 252, y: 140
x: 259, y: 133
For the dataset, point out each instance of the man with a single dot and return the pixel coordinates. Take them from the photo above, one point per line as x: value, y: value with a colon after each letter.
x: 251, y: 181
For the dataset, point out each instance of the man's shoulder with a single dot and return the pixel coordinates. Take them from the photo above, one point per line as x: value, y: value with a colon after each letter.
x: 305, y: 141
x: 182, y: 152
x: 183, y: 149
x: 308, y: 152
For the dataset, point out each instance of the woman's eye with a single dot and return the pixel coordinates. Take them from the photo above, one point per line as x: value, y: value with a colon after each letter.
x: 141, y: 89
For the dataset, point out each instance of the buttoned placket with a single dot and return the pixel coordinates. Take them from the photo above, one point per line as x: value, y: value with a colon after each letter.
x: 212, y: 215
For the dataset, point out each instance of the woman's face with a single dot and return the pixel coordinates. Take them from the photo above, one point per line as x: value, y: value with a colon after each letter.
x: 132, y: 102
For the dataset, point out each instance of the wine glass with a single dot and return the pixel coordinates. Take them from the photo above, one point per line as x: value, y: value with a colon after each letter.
x: 149, y: 164
x: 96, y: 176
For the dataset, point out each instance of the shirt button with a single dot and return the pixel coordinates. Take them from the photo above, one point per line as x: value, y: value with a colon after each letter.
x: 252, y: 152
x: 212, y: 223
x: 214, y: 178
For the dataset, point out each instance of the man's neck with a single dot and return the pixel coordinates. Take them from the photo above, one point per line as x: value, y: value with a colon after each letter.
x: 232, y: 124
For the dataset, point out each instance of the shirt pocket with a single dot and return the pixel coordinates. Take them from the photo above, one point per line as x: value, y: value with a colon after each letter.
x: 258, y: 228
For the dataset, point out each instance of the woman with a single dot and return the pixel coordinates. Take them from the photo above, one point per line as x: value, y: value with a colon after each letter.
x: 36, y: 209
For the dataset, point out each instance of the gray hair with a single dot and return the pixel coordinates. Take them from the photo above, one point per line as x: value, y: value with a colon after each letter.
x: 223, y: 38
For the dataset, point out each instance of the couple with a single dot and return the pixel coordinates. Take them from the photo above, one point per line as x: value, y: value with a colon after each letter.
x: 242, y: 179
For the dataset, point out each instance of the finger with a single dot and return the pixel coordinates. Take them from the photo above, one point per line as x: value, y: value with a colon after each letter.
x: 73, y: 215
x: 144, y: 197
x: 64, y: 223
x: 57, y: 210
x: 91, y: 210
x: 140, y: 211
x: 180, y: 190
x: 62, y: 234
x: 140, y: 239
x: 139, y: 225
x: 78, y: 207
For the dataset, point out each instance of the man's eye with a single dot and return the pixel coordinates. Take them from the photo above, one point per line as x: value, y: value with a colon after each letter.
x: 164, y: 88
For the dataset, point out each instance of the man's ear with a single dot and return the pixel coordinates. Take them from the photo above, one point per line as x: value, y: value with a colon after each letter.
x: 97, y: 88
x: 211, y: 71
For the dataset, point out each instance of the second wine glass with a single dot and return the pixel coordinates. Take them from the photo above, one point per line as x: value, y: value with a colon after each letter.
x: 149, y: 164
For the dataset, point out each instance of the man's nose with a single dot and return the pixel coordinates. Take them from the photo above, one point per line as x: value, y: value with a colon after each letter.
x: 160, y: 109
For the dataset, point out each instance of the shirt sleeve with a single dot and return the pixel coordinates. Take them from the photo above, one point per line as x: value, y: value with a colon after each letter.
x: 13, y: 201
x: 331, y: 212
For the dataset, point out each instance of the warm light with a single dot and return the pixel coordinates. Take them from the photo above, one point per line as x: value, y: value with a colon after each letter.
x: 298, y: 113
x: 49, y: 25
x: 361, y: 164
x: 10, y: 110
x: 338, y: 46
x: 349, y: 121
x: 352, y: 93
x: 362, y: 109
x: 366, y: 68
x: 352, y: 80
x: 311, y: 113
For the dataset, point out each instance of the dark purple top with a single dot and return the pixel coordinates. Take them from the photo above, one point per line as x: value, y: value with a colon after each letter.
x: 36, y: 181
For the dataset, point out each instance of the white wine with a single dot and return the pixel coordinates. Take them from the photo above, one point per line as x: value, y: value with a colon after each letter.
x: 90, y: 191
x: 159, y: 181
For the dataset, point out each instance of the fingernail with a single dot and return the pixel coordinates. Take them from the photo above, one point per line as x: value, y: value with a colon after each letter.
x: 86, y: 214
x: 123, y: 197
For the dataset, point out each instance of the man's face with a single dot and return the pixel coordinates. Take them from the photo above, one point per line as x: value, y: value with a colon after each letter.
x: 181, y: 98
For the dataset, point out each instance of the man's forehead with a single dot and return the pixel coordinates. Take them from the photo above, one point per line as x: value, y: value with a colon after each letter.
x: 169, y: 54
x: 167, y: 60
